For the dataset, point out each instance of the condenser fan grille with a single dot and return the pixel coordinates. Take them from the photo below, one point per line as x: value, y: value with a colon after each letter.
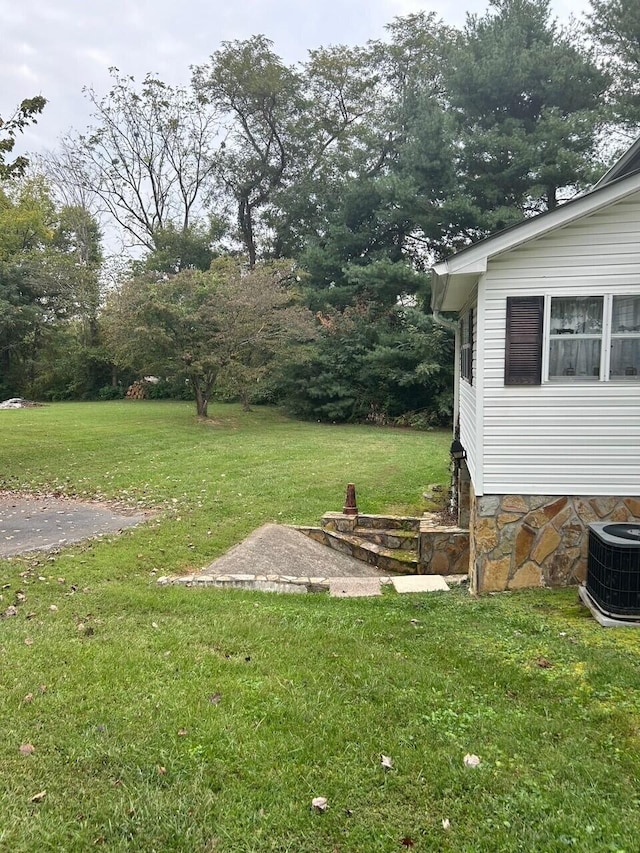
x: 613, y: 569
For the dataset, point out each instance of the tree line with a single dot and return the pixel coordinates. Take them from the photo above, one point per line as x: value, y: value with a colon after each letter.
x: 279, y: 221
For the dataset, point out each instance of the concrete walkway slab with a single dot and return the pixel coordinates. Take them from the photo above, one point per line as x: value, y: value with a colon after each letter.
x: 420, y: 583
x: 275, y: 549
x: 354, y: 587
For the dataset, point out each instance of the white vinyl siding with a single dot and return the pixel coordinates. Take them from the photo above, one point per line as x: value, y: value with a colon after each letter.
x: 559, y: 437
x: 468, y: 401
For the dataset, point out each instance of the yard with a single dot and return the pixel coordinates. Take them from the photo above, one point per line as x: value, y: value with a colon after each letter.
x: 167, y: 719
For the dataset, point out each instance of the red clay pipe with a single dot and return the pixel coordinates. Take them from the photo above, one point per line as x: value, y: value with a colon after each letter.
x: 350, y: 507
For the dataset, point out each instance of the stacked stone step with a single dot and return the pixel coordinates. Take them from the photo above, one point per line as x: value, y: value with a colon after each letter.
x: 383, y: 522
x: 396, y: 544
x: 394, y: 539
x: 136, y: 391
x: 395, y: 561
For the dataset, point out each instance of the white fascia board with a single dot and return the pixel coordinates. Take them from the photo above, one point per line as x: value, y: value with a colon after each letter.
x: 620, y: 166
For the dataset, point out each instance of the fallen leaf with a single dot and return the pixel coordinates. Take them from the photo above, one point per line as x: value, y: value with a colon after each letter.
x: 28, y: 698
x: 26, y: 749
x: 543, y: 663
x: 28, y: 641
x: 407, y: 842
x: 471, y: 760
x: 386, y: 762
x: 53, y: 608
x: 182, y: 732
x: 11, y: 610
x: 39, y: 797
x: 162, y: 771
x: 320, y: 804
x: 215, y: 698
x: 42, y: 688
x: 446, y: 823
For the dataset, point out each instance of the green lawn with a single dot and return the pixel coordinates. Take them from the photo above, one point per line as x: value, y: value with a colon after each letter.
x: 166, y: 719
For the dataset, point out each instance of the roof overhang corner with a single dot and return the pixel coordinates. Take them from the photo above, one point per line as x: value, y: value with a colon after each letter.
x: 452, y: 284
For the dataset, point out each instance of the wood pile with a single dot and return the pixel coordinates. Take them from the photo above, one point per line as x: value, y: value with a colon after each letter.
x: 137, y: 391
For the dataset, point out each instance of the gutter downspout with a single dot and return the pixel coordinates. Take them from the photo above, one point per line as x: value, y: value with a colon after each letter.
x: 453, y: 326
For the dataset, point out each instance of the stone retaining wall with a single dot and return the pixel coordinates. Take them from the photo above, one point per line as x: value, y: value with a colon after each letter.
x: 444, y: 550
x: 520, y: 541
x: 437, y: 548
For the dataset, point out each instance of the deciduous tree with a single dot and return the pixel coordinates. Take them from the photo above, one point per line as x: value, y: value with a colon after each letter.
x: 149, y: 158
x: 224, y: 325
x: 25, y: 115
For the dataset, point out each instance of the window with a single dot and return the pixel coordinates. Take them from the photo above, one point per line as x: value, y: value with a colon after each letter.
x: 625, y: 338
x: 585, y: 339
x: 575, y: 337
x: 466, y: 347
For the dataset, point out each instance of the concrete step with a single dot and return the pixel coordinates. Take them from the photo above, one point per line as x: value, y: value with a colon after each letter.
x: 385, y: 559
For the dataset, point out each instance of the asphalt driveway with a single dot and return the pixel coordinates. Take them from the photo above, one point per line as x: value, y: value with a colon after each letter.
x: 44, y: 523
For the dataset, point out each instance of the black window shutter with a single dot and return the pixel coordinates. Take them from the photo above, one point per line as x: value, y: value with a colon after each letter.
x: 471, y: 346
x: 523, y: 351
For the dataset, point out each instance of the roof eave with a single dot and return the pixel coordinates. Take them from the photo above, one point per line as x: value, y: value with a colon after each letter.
x: 470, y: 263
x: 628, y: 163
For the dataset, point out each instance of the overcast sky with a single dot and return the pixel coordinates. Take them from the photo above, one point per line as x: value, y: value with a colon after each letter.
x: 55, y: 47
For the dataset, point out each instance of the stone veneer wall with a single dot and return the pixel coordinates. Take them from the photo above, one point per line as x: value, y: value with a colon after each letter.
x: 443, y: 549
x: 520, y: 541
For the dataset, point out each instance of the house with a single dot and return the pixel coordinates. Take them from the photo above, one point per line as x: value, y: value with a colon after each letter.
x: 547, y: 395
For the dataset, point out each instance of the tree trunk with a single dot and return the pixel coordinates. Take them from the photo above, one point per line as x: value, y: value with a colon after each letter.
x: 202, y: 388
x: 245, y: 221
x: 202, y: 403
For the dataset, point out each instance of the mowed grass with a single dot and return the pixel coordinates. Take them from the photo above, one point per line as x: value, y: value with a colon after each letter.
x: 166, y: 719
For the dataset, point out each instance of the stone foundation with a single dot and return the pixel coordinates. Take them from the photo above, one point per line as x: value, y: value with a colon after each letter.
x: 520, y: 541
x: 463, y: 485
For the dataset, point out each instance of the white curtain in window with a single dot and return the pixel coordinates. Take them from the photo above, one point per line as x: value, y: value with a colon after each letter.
x: 625, y: 315
x: 574, y: 358
x: 625, y: 357
x: 576, y: 315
